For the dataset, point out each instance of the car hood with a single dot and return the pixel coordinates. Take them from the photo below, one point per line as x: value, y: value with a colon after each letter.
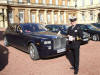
x: 47, y: 34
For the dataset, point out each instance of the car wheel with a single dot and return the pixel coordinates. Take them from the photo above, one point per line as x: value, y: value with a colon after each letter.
x: 5, y: 41
x: 33, y: 51
x: 95, y: 37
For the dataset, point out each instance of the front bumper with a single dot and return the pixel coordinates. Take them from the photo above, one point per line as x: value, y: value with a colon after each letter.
x: 45, y: 53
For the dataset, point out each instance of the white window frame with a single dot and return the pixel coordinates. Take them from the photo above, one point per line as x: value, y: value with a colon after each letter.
x: 36, y: 1
x: 68, y: 3
x: 44, y: 1
x: 63, y: 2
x: 57, y: 2
x: 33, y: 18
x: 91, y: 15
x: 28, y: 1
x: 48, y: 18
x: 21, y: 19
x: 83, y: 2
x: 55, y: 17
x: 20, y: 1
x: 61, y: 17
x: 83, y: 16
x: 91, y: 2
x: 50, y: 1
x: 11, y: 20
x: 41, y: 17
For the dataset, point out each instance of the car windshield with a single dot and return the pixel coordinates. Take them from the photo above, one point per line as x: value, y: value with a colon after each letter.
x: 64, y: 27
x: 33, y: 28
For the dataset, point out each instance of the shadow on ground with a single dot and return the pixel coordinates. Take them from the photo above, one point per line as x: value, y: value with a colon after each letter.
x: 69, y: 56
x: 53, y: 57
x: 3, y: 57
x: 1, y: 35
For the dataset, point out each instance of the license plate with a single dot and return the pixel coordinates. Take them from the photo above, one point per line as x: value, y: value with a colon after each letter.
x: 61, y: 50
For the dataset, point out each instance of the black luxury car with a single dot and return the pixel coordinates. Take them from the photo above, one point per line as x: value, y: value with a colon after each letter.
x: 93, y: 32
x: 56, y: 28
x: 34, y: 39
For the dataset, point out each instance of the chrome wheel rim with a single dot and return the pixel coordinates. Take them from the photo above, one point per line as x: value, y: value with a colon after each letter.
x: 31, y: 51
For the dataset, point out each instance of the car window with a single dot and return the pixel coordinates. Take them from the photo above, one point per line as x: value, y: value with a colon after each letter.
x: 33, y: 28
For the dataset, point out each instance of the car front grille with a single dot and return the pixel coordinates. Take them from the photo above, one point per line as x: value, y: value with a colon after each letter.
x: 59, y: 43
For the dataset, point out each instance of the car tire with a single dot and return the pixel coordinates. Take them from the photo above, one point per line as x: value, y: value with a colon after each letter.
x: 6, y: 41
x: 33, y: 51
x: 95, y: 37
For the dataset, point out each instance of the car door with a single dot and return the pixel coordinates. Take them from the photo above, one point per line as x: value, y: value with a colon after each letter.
x: 20, y: 38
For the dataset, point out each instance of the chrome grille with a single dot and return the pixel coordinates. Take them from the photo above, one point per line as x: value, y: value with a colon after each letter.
x: 59, y: 43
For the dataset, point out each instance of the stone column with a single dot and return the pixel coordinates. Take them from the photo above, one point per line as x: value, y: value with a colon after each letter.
x: 52, y: 16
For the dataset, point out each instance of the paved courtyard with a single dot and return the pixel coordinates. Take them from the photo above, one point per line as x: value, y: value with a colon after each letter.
x: 16, y: 62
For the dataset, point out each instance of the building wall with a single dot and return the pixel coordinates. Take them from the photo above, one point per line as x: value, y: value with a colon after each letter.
x: 42, y: 13
x: 87, y: 7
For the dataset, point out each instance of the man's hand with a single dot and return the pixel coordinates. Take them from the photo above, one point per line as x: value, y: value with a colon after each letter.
x: 71, y: 38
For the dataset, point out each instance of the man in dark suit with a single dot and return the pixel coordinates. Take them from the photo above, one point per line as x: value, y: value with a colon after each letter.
x: 75, y: 35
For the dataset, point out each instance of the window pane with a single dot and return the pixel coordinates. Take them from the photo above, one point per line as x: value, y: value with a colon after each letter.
x: 11, y: 16
x: 37, y: 1
x: 48, y: 18
x: 44, y: 1
x: 50, y: 1
x: 21, y: 17
x: 56, y: 2
x: 33, y: 18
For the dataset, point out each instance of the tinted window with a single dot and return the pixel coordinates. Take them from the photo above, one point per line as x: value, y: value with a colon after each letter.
x: 33, y: 28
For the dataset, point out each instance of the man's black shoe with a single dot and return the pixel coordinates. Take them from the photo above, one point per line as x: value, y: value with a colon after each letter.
x: 75, y: 72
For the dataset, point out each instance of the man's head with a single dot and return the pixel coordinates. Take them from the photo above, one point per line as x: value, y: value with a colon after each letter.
x: 73, y: 20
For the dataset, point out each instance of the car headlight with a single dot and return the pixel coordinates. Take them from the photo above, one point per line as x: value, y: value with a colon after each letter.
x: 47, y: 42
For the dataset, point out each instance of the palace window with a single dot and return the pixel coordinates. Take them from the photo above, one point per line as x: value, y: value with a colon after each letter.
x: 83, y: 1
x: 20, y: 1
x: 11, y: 16
x: 56, y: 2
x: 68, y: 3
x: 63, y: 2
x: 48, y: 18
x: 50, y: 1
x: 41, y: 17
x: 28, y: 1
x: 83, y: 16
x: 36, y: 1
x: 21, y: 16
x: 91, y: 2
x: 43, y: 1
x: 91, y: 15
x: 61, y: 18
x: 55, y: 17
x: 33, y: 18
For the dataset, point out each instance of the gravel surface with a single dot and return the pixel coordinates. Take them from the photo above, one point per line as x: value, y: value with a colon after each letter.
x: 16, y: 62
